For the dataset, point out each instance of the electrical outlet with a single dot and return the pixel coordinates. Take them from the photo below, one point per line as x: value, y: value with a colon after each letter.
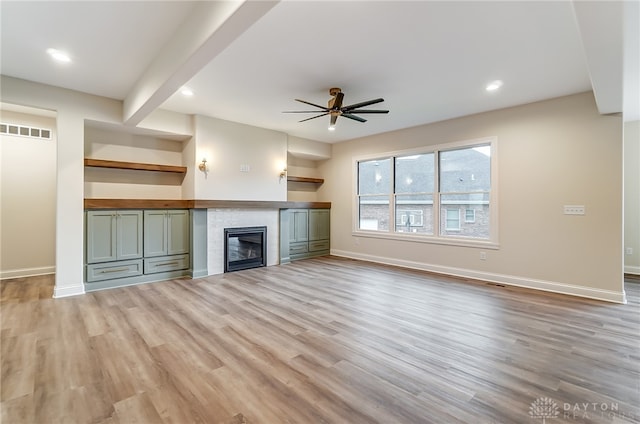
x: 483, y: 256
x: 629, y: 250
x: 574, y: 209
x: 245, y: 168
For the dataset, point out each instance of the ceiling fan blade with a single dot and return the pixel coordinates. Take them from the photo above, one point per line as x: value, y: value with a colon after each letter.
x: 362, y: 104
x: 301, y: 111
x: 368, y: 111
x: 312, y: 104
x: 334, y: 118
x: 314, y: 117
x: 354, y: 117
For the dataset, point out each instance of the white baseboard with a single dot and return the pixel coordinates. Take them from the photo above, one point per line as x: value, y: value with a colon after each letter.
x: 550, y: 286
x: 628, y: 269
x: 67, y: 291
x: 27, y: 272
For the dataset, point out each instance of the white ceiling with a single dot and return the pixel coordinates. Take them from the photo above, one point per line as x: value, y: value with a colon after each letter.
x: 429, y: 60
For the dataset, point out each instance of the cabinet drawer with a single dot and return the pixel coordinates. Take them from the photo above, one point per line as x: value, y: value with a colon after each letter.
x: 166, y: 263
x: 111, y: 270
x: 297, y: 248
x: 315, y: 246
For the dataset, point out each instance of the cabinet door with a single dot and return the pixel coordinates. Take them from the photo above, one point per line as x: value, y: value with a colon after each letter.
x: 155, y: 233
x: 178, y: 228
x: 129, y: 239
x: 298, y: 225
x: 319, y: 224
x: 101, y: 236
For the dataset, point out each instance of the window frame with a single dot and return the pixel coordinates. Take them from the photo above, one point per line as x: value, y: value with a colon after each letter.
x: 492, y: 242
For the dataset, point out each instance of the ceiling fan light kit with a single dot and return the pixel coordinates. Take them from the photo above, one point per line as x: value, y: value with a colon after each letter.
x: 335, y: 109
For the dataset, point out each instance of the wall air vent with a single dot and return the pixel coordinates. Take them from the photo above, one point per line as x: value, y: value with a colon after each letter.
x: 22, y: 131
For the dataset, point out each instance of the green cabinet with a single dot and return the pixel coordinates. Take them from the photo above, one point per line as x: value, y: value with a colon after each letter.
x: 133, y: 246
x: 113, y: 244
x: 166, y: 240
x: 319, y: 230
x: 114, y: 235
x: 298, y: 232
x: 166, y: 232
x: 319, y: 224
x: 309, y: 231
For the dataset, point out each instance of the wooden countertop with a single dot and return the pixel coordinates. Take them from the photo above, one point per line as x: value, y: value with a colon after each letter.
x: 198, y: 204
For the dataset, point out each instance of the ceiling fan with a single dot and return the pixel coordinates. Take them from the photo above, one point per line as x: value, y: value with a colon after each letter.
x: 335, y: 108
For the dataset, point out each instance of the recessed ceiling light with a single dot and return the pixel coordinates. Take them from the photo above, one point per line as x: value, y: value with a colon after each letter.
x: 186, y: 91
x: 58, y: 55
x: 494, y: 85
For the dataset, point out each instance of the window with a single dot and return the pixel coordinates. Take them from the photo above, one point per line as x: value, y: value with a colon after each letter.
x: 409, y: 218
x: 441, y: 193
x: 374, y: 187
x: 452, y: 220
x: 414, y: 184
x: 465, y: 182
x: 470, y: 215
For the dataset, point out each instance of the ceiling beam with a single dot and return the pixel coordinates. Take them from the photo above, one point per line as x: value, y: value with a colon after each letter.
x: 211, y: 27
x: 601, y: 28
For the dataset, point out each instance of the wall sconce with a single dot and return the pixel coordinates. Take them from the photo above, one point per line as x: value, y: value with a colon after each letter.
x: 203, y: 165
x: 283, y: 174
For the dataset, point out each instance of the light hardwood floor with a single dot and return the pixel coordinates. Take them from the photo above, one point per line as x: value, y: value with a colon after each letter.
x: 323, y: 340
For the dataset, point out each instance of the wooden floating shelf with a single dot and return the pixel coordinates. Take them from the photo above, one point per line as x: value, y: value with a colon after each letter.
x: 198, y: 204
x: 99, y: 163
x: 292, y: 179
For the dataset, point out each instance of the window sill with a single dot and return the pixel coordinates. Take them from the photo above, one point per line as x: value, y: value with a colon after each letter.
x: 414, y: 238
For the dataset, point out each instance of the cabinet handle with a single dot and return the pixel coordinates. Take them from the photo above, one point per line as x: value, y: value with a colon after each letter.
x: 113, y: 270
x: 168, y: 263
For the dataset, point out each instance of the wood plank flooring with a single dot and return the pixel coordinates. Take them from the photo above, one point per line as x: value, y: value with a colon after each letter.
x: 324, y: 340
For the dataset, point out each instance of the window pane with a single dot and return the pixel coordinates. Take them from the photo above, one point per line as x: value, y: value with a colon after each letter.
x: 374, y: 177
x: 414, y: 213
x: 453, y: 205
x: 374, y: 213
x: 414, y: 174
x: 469, y: 215
x: 452, y: 221
x: 465, y: 170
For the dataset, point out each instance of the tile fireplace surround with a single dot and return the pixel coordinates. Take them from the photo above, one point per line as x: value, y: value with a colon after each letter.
x: 219, y: 219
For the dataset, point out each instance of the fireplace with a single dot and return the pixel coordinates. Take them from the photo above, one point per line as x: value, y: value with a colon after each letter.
x: 245, y: 248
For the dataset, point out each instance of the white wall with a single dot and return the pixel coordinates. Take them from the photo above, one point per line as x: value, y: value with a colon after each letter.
x: 27, y: 199
x: 308, y: 149
x: 632, y: 196
x: 228, y: 146
x: 72, y: 108
x: 552, y: 153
